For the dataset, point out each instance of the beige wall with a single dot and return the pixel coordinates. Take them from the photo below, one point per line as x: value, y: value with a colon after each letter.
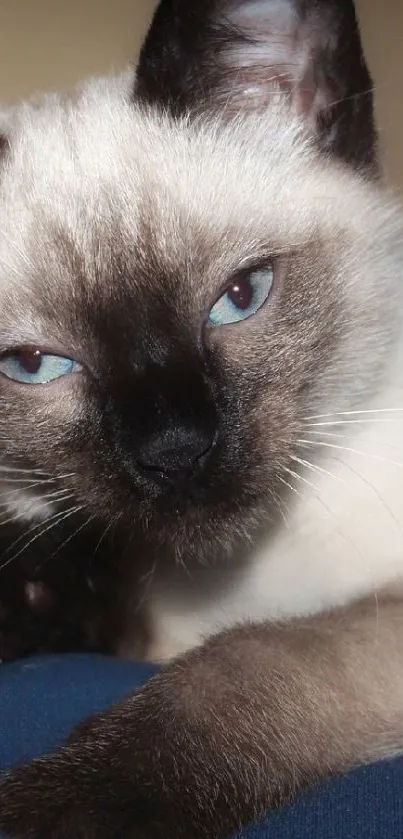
x: 49, y: 44
x: 382, y: 29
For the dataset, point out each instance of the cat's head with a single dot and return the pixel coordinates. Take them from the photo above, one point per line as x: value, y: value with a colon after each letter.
x: 190, y: 266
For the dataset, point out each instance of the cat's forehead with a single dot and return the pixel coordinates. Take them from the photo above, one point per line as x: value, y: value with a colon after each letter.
x: 96, y: 188
x: 99, y: 155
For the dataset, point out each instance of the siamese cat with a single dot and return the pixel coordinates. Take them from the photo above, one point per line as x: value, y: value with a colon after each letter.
x: 201, y: 335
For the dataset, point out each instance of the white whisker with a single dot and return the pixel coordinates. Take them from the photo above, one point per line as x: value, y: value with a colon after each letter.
x: 364, y: 421
x: 337, y: 436
x: 288, y: 485
x: 71, y: 536
x: 50, y: 523
x: 11, y: 480
x: 18, y: 490
x: 5, y: 468
x: 281, y: 508
x: 104, y: 533
x: 315, y: 468
x: 301, y: 478
x: 349, y: 449
x: 353, y: 413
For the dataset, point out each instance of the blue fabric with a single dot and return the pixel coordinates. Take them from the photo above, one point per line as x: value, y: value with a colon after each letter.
x: 42, y: 698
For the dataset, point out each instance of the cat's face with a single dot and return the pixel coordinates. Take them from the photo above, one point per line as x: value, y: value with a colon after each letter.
x: 205, y: 286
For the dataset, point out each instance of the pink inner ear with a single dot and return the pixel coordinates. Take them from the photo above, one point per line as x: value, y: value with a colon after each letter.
x: 279, y: 54
x: 275, y: 58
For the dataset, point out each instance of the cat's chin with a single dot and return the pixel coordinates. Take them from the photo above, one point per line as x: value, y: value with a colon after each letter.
x: 203, y: 532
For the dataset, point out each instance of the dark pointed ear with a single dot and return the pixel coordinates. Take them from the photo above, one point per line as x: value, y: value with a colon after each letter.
x: 236, y: 55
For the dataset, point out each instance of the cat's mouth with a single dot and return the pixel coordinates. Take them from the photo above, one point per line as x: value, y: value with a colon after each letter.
x: 218, y: 521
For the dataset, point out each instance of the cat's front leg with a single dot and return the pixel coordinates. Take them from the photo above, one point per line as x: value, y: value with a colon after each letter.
x: 222, y: 734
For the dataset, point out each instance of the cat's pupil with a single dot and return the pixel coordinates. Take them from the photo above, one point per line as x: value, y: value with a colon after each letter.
x: 30, y: 360
x: 241, y: 293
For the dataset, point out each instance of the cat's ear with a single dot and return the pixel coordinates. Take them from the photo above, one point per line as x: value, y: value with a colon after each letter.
x: 236, y: 55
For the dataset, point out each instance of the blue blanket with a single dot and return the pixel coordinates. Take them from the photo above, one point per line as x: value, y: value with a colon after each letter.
x: 42, y: 698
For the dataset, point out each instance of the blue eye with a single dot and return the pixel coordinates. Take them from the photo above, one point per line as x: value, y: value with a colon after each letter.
x: 33, y: 367
x: 243, y: 298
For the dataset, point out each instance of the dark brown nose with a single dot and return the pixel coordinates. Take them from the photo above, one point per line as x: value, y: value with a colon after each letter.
x: 175, y: 454
x: 165, y: 426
